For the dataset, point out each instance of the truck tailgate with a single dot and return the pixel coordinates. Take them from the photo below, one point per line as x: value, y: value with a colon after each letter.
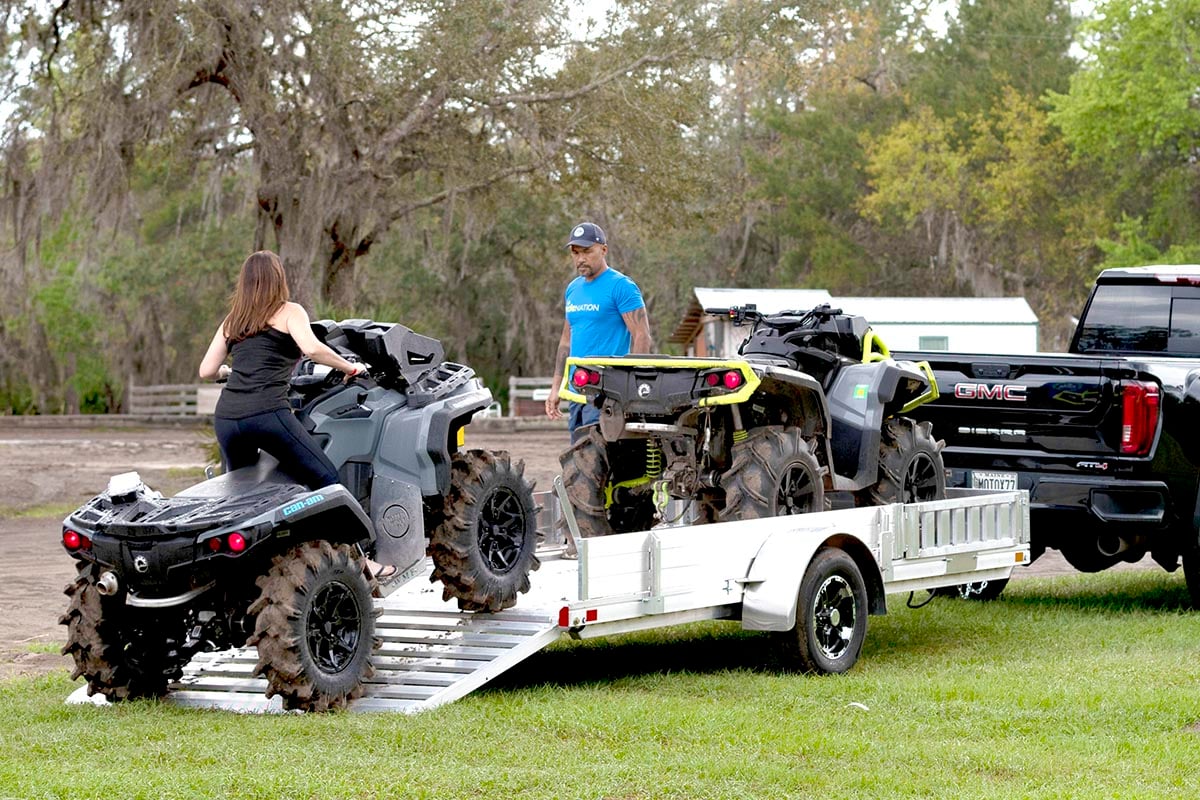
x: 1027, y: 406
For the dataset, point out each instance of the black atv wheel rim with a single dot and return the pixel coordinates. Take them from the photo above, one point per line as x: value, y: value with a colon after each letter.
x: 834, y: 615
x: 795, y: 494
x: 921, y: 480
x: 501, y: 530
x: 334, y: 621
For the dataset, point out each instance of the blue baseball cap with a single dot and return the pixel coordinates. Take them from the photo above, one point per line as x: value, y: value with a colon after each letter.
x: 586, y: 234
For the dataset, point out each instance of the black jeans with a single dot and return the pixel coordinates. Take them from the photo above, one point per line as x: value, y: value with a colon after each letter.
x: 280, y: 434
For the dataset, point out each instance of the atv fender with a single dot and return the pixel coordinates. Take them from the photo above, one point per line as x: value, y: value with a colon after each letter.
x: 333, y: 509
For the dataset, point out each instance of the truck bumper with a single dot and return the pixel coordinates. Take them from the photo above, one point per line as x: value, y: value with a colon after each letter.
x: 1086, y: 500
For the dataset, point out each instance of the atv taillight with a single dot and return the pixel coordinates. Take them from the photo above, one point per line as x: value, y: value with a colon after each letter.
x: 712, y: 379
x: 236, y: 542
x: 583, y: 377
x: 732, y: 379
x: 73, y: 540
x: 1139, y: 417
x: 214, y: 544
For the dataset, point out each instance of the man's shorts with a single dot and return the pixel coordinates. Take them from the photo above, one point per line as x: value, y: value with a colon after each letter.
x: 580, y: 416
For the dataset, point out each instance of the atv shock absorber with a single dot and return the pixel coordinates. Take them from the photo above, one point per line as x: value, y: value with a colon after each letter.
x: 654, y: 462
x: 739, y: 433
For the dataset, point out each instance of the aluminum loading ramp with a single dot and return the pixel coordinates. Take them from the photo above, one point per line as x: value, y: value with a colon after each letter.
x: 431, y: 653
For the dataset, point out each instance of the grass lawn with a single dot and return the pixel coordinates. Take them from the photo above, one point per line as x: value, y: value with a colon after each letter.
x: 1079, y: 686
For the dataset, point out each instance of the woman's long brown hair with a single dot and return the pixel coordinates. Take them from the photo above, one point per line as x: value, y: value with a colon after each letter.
x: 261, y: 290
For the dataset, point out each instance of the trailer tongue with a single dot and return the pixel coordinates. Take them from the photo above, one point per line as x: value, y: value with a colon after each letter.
x: 812, y: 579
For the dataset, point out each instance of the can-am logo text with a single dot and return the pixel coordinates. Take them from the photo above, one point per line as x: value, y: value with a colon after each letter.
x: 1013, y: 393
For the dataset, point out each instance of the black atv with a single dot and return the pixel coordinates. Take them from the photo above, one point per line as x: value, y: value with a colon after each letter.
x: 811, y: 417
x: 252, y: 557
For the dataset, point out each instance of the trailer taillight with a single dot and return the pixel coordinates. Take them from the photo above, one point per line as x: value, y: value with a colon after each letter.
x: 1139, y: 417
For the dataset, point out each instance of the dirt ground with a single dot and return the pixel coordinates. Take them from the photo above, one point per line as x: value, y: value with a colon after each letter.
x: 48, y: 471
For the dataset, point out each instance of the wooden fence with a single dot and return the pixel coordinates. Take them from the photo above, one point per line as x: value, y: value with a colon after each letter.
x: 527, y: 396
x: 172, y: 399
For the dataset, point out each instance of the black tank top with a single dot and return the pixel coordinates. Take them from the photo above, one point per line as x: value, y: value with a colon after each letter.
x: 262, y: 365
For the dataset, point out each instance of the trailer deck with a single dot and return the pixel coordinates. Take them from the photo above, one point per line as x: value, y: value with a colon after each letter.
x: 750, y: 571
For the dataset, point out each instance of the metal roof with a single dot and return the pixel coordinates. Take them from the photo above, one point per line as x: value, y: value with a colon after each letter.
x: 876, y: 310
x: 939, y: 310
x: 1154, y: 271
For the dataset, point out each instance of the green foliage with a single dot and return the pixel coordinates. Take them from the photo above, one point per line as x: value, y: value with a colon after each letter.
x: 1135, y: 93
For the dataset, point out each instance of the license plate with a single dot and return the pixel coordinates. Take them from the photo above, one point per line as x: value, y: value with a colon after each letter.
x: 995, y: 481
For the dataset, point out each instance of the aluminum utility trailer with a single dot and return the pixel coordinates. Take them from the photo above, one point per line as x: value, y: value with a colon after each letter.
x: 755, y: 571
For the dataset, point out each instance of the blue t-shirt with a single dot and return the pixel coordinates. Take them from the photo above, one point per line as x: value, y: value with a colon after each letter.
x: 594, y: 312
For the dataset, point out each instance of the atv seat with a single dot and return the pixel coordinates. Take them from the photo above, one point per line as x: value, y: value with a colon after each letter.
x: 262, y: 476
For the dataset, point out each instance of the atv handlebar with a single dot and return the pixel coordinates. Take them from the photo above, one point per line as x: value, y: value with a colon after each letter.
x: 739, y: 315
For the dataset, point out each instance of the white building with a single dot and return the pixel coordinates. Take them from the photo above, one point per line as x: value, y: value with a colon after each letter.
x: 953, y: 324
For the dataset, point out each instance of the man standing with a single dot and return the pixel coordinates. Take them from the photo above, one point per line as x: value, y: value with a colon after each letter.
x: 605, y: 316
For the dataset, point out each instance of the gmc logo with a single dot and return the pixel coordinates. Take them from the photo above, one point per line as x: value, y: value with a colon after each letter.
x: 1013, y: 393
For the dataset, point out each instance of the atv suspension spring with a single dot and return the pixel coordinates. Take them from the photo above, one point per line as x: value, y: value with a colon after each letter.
x: 740, y: 436
x: 654, y: 462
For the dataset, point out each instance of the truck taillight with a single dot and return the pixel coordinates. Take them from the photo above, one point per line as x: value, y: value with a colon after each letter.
x: 1139, y: 417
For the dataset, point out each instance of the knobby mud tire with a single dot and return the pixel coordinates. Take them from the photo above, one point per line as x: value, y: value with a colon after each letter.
x: 585, y: 472
x: 774, y: 473
x: 910, y: 464
x: 315, y: 626
x: 98, y: 642
x: 484, y: 548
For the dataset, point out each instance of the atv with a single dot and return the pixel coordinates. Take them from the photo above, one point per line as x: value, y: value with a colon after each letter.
x: 252, y: 557
x: 810, y: 417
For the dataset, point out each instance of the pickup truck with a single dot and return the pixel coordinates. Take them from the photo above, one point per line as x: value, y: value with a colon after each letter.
x: 1105, y: 437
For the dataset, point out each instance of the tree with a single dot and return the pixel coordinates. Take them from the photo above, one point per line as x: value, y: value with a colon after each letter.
x: 356, y: 114
x: 1132, y: 109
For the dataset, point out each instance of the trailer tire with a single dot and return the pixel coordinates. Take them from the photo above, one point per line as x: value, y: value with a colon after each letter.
x: 910, y: 464
x: 98, y: 641
x: 315, y: 626
x: 773, y: 473
x: 483, y: 550
x: 831, y: 616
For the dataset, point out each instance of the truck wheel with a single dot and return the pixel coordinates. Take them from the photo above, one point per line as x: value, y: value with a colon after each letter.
x: 483, y: 551
x: 585, y: 473
x: 774, y: 473
x: 99, y: 642
x: 831, y: 616
x: 315, y: 626
x: 1191, y: 572
x: 910, y: 464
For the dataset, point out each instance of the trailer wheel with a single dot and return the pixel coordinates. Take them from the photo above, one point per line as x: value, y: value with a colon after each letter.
x: 774, y: 473
x: 483, y: 551
x: 831, y: 616
x: 98, y: 639
x: 315, y: 626
x: 910, y: 464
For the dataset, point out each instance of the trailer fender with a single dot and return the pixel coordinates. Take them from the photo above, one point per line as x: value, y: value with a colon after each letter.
x: 772, y: 585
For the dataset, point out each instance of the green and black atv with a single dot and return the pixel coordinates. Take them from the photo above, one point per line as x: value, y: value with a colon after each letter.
x: 810, y: 417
